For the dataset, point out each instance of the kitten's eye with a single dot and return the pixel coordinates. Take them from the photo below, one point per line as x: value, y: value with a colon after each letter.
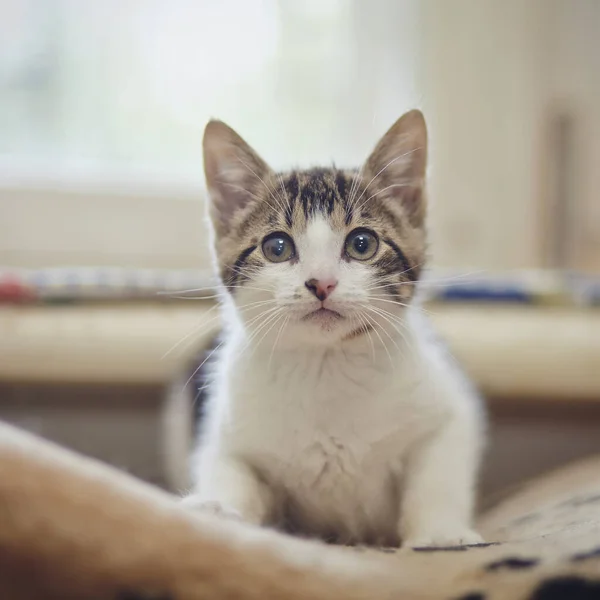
x: 278, y: 247
x: 361, y: 244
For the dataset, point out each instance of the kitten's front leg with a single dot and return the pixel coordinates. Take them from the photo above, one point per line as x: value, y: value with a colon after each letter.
x: 439, y: 488
x: 229, y: 487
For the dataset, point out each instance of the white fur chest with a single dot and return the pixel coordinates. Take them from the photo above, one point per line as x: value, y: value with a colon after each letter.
x: 327, y: 430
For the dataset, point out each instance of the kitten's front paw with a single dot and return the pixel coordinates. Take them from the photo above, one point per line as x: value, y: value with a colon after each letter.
x: 211, y: 508
x: 443, y: 539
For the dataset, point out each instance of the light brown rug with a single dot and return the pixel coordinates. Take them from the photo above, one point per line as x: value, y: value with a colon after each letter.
x: 71, y: 528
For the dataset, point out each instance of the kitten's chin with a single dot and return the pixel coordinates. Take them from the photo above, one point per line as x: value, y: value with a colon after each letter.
x: 326, y: 318
x: 322, y: 326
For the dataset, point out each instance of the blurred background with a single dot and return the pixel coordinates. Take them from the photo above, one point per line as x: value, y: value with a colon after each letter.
x: 102, y: 107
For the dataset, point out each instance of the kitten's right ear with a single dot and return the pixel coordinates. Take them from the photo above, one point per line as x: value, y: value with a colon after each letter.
x: 234, y: 173
x: 398, y: 165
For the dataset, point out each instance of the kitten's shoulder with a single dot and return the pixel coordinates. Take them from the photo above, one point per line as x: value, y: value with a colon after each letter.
x: 440, y: 365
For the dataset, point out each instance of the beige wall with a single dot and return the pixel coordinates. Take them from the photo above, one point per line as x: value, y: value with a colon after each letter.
x: 576, y: 88
x: 497, y: 75
x: 484, y: 90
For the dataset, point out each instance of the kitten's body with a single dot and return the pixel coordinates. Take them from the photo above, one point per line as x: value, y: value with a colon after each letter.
x: 315, y: 423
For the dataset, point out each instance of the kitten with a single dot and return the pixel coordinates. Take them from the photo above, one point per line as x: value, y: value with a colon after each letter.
x: 332, y: 411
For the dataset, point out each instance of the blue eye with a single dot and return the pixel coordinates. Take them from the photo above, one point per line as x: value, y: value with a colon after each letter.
x: 361, y: 244
x: 278, y: 247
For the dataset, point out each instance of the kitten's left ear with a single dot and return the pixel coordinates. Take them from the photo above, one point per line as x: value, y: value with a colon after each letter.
x: 399, y: 163
x: 234, y: 173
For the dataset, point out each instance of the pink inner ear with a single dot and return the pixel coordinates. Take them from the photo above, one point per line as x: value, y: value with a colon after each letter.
x: 401, y: 154
x: 396, y: 168
x: 399, y: 163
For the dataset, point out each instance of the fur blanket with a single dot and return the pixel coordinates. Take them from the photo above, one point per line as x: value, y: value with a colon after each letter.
x: 71, y: 528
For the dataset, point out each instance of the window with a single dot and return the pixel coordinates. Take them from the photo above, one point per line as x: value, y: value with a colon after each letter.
x: 121, y: 90
x: 108, y: 99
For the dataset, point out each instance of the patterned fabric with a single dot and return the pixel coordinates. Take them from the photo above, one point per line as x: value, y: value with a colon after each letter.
x: 523, y: 287
x: 102, y: 284
x: 71, y: 528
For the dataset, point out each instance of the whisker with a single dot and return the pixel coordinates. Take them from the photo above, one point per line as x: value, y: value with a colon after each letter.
x: 383, y: 286
x: 266, y: 314
x: 262, y: 315
x: 200, y: 366
x: 283, y: 325
x: 242, y: 189
x: 274, y: 314
x: 191, y: 290
x: 374, y: 323
x: 195, y: 330
x: 394, y: 185
x: 438, y: 280
x: 402, y: 304
x: 211, y: 288
x: 384, y: 168
x: 198, y: 328
x: 396, y: 302
x: 199, y: 298
x: 253, y: 195
x: 444, y: 282
x: 399, y: 324
x: 271, y: 193
x: 246, y: 286
x: 246, y: 270
x: 398, y: 274
x: 383, y: 328
x: 211, y: 297
x: 390, y: 316
x: 285, y: 194
x: 355, y: 184
x: 200, y: 390
x: 365, y: 325
x: 274, y: 322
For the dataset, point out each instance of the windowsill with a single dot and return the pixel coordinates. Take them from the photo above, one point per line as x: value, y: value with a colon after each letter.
x: 526, y: 352
x: 112, y: 344
x: 510, y: 351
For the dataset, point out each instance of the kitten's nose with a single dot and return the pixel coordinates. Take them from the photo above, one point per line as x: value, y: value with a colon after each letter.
x: 321, y: 288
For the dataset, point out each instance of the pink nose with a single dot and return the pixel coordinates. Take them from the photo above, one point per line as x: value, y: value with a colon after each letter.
x: 321, y: 288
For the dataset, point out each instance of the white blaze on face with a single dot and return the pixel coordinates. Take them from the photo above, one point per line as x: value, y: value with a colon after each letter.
x: 320, y: 250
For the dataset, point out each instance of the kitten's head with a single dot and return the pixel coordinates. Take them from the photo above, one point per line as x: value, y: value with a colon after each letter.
x: 324, y: 254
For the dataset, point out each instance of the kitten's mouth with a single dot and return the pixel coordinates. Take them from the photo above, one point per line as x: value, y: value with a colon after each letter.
x: 322, y: 315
